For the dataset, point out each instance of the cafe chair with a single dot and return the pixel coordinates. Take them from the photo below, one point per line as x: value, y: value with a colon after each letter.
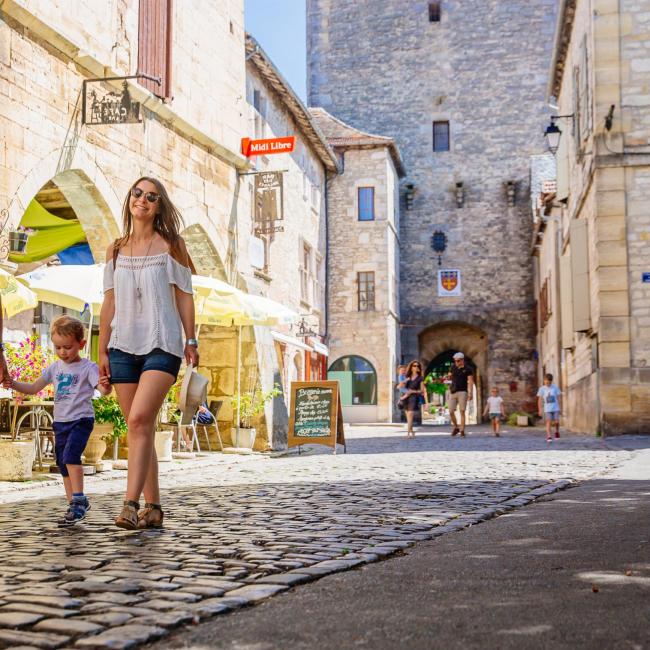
x: 214, y: 408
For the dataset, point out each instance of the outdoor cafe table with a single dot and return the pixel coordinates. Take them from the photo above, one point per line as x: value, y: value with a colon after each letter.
x: 38, y: 416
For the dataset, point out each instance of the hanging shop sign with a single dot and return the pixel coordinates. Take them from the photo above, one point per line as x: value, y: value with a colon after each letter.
x: 316, y: 416
x: 269, y: 203
x: 100, y: 105
x: 268, y: 146
x: 449, y: 282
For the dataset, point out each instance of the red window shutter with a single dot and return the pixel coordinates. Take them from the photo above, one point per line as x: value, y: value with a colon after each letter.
x: 154, y: 45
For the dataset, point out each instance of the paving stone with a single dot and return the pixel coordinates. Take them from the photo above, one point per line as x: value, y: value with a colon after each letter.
x: 166, y: 619
x: 108, y: 619
x: 96, y: 587
x: 288, y: 579
x: 71, y: 626
x: 121, y: 599
x: 52, y: 601
x: 39, y: 609
x: 33, y: 639
x: 257, y: 592
x: 18, y: 619
x: 124, y: 636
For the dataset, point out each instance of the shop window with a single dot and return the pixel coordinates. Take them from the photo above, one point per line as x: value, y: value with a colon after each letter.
x: 441, y: 136
x: 366, y: 201
x: 357, y: 380
x: 155, y: 45
x: 366, y: 291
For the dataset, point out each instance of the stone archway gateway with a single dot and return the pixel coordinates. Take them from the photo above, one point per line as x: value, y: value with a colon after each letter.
x: 439, y: 342
x: 85, y: 190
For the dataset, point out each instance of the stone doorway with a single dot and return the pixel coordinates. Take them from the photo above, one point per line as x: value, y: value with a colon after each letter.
x: 440, y: 342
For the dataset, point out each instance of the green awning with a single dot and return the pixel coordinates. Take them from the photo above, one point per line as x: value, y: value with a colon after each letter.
x: 52, y: 235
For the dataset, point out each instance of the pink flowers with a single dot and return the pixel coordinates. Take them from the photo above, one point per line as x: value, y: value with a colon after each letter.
x: 27, y: 360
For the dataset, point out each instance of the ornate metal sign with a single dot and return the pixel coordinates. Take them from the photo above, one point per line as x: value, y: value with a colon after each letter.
x: 268, y: 203
x: 103, y: 106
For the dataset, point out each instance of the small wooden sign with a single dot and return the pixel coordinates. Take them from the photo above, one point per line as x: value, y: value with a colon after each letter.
x: 316, y: 417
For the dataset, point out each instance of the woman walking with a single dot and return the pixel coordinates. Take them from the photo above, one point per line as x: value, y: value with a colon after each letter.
x: 415, y: 395
x: 147, y: 305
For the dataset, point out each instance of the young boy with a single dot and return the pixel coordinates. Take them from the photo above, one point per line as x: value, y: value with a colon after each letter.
x: 496, y: 410
x: 401, y: 377
x: 549, y: 405
x: 75, y: 380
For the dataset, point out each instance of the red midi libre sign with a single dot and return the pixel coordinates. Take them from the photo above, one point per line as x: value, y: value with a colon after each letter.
x: 265, y: 147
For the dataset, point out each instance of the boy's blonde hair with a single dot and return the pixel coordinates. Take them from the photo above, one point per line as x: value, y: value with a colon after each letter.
x: 68, y: 326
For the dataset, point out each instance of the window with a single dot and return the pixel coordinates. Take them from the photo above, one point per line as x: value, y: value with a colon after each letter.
x: 366, y: 197
x: 155, y: 45
x: 259, y: 104
x: 434, y: 12
x: 357, y: 380
x: 306, y: 275
x: 441, y: 136
x: 366, y: 290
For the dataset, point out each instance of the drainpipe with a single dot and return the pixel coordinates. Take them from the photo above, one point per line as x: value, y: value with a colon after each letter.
x: 326, y: 310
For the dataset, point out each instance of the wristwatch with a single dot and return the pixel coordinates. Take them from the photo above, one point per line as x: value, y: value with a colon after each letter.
x: 193, y: 342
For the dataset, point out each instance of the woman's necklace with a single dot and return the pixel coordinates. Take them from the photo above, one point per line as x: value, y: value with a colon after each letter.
x: 137, y: 277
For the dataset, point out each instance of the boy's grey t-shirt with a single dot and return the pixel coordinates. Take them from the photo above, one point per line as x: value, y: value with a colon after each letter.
x: 74, y: 386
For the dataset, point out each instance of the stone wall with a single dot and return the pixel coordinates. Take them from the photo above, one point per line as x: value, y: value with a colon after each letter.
x: 483, y: 67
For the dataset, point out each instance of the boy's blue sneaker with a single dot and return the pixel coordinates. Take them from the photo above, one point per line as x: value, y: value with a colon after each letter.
x: 76, y: 512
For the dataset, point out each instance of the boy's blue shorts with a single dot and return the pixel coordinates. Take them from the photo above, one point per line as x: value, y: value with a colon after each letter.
x: 70, y: 440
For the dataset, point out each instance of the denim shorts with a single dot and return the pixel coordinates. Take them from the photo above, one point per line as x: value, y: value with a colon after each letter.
x: 552, y: 416
x: 127, y: 368
x: 70, y: 440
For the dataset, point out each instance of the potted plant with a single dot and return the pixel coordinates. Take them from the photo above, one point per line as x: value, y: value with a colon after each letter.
x: 18, y: 239
x: 26, y: 361
x: 110, y: 425
x: 247, y: 406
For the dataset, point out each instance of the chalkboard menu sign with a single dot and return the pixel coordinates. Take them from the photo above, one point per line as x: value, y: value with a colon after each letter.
x: 316, y: 416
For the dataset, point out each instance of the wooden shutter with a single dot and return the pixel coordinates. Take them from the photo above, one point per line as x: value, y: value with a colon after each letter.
x: 155, y: 44
x: 580, y: 276
x: 566, y: 301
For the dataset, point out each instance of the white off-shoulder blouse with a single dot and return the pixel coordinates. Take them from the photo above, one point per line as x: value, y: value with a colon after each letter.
x: 148, y: 318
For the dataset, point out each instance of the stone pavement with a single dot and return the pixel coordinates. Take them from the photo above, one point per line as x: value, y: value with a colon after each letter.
x: 241, y: 530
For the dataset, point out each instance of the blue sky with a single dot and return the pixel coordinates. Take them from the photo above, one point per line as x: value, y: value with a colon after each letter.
x: 279, y: 27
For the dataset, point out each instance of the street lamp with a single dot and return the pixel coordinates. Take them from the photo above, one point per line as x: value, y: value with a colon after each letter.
x: 439, y: 244
x: 553, y: 133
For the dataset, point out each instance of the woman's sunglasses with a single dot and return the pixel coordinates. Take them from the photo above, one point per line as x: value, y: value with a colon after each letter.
x: 137, y: 192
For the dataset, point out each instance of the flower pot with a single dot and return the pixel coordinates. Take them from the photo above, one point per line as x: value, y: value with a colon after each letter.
x: 522, y: 420
x: 96, y: 445
x: 243, y: 438
x: 17, y: 241
x: 163, y: 443
x: 16, y: 460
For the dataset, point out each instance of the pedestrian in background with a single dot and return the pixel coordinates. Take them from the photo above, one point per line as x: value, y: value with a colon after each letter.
x: 461, y: 389
x: 549, y: 405
x: 415, y: 394
x: 401, y: 378
x: 75, y: 380
x: 496, y: 410
x: 147, y: 305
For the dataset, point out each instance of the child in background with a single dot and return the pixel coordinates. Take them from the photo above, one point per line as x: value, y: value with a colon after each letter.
x: 496, y: 410
x: 549, y: 405
x: 75, y: 380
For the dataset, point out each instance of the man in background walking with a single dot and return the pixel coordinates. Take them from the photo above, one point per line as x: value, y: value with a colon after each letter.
x: 462, y: 388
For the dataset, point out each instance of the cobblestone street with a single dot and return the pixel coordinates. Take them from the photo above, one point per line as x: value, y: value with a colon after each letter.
x: 240, y: 529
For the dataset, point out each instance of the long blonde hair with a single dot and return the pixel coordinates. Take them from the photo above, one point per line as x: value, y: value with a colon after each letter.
x: 167, y: 223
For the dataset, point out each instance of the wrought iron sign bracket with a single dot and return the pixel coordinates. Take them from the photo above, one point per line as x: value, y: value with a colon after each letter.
x: 110, y: 107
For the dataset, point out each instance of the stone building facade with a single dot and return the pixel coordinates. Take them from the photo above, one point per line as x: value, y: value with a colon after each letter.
x: 363, y: 308
x: 600, y: 76
x: 290, y: 264
x: 189, y: 137
x: 460, y: 86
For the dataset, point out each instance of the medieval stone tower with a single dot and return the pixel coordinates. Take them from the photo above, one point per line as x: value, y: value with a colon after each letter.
x: 461, y: 87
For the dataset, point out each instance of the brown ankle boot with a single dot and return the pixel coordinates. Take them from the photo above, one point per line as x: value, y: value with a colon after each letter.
x: 151, y: 516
